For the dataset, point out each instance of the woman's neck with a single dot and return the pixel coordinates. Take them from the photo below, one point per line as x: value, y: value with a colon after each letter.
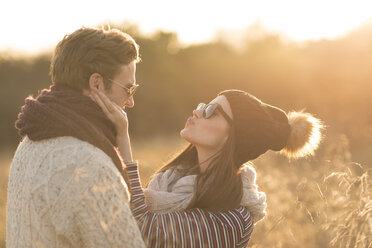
x: 205, y: 156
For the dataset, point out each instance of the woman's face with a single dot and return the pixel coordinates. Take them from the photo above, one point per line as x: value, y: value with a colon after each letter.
x: 209, y: 133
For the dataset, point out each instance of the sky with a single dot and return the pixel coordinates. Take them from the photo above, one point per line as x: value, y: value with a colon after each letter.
x: 33, y: 26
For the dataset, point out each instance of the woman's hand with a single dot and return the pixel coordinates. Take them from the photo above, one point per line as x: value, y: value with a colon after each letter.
x: 112, y: 111
x: 120, y: 120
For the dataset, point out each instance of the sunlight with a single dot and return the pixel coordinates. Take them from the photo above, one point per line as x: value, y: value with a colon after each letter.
x: 37, y: 25
x: 317, y: 19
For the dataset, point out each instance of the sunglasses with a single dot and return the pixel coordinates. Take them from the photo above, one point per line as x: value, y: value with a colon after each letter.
x: 209, y: 109
x: 130, y: 91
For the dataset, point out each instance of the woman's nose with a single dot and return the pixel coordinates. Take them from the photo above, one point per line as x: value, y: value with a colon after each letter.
x: 195, y: 113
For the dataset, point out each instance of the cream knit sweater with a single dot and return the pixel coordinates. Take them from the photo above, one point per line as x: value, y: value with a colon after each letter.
x: 64, y: 192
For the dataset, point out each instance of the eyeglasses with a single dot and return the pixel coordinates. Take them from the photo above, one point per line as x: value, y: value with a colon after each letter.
x: 208, y: 111
x: 130, y: 91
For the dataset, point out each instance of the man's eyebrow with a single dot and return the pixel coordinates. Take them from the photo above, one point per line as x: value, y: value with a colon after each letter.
x: 128, y: 85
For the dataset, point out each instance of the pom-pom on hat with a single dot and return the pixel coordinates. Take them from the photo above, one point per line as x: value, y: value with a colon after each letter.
x: 259, y: 127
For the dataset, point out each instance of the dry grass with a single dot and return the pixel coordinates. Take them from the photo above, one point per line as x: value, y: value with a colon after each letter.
x: 320, y: 202
x: 4, y: 172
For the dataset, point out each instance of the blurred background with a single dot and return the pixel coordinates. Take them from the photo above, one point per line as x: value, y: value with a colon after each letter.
x: 315, y: 55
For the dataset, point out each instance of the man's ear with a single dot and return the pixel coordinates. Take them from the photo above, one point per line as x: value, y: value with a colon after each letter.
x: 96, y: 82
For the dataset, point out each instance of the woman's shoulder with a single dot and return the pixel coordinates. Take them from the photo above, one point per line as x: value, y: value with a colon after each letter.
x: 241, y: 214
x: 238, y: 221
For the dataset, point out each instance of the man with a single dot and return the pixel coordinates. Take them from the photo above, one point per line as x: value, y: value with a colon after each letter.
x: 66, y: 188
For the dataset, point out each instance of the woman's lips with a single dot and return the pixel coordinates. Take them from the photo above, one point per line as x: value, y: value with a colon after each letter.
x: 189, y: 121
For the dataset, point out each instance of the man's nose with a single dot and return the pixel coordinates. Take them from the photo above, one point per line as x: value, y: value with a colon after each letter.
x: 129, y: 103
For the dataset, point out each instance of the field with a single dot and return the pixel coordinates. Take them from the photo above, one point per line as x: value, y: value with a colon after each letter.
x: 324, y: 201
x: 4, y: 171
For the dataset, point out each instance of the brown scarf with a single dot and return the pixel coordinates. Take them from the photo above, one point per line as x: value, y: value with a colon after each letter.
x: 62, y: 111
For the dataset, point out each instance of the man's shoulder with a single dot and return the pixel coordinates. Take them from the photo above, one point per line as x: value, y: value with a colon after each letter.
x: 65, y: 157
x: 64, y: 149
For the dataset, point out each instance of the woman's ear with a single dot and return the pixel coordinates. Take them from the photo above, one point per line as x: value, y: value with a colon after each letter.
x: 96, y: 82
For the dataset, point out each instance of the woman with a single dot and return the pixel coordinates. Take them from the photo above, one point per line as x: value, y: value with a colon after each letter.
x: 207, y: 196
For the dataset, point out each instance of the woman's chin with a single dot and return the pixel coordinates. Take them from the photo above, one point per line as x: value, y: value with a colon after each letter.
x: 185, y: 134
x: 182, y: 133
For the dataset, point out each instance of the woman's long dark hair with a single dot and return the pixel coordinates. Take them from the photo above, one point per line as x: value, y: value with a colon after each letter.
x: 219, y: 187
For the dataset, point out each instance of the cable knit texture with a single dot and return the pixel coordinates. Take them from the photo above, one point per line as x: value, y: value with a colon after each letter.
x: 64, y: 192
x: 168, y: 191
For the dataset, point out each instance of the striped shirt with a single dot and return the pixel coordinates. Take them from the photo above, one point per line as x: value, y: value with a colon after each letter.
x: 188, y: 228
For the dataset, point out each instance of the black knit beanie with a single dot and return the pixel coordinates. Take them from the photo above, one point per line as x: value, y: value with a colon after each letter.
x: 258, y: 126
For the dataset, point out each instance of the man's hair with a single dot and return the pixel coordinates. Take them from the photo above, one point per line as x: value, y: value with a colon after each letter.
x: 89, y: 50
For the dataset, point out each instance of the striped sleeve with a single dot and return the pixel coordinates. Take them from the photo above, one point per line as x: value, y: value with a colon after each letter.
x: 190, y: 228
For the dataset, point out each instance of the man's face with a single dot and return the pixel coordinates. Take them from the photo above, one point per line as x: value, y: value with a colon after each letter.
x: 125, y: 78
